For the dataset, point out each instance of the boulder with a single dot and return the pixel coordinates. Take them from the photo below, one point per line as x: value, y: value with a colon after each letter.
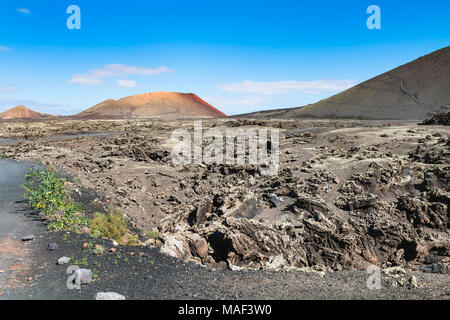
x: 176, y: 248
x: 52, y: 246
x: 198, y: 246
x: 83, y: 276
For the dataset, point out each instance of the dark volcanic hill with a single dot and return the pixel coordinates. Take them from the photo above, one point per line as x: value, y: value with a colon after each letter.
x: 22, y: 112
x: 153, y: 105
x: 416, y: 90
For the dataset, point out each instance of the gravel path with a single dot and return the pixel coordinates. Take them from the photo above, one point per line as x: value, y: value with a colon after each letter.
x: 29, y: 270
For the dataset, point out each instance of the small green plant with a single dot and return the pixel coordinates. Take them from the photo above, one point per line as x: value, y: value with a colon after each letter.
x: 99, y: 250
x: 46, y: 191
x: 151, y: 234
x: 112, y: 225
x: 80, y: 262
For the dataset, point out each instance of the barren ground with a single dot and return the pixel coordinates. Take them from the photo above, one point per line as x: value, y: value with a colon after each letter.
x: 353, y: 193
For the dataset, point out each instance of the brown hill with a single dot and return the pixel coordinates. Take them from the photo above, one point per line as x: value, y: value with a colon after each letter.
x: 22, y: 112
x: 153, y: 105
x: 416, y: 90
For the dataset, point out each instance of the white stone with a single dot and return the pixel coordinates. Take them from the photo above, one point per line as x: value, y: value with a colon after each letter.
x: 109, y: 296
x: 276, y: 263
x: 394, y: 271
x: 64, y: 260
x: 175, y: 248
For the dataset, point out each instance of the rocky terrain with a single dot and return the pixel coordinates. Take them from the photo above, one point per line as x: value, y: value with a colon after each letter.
x: 441, y: 119
x: 348, y: 194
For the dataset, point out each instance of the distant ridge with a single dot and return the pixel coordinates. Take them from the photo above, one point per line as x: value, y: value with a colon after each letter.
x: 153, y: 105
x: 22, y: 112
x: 414, y: 91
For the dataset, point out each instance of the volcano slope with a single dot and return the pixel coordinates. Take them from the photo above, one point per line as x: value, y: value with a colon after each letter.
x: 22, y: 112
x: 348, y: 194
x: 416, y: 90
x: 153, y: 105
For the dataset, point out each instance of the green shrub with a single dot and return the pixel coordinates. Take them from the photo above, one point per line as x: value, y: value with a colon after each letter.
x: 151, y: 234
x: 112, y: 225
x: 47, y: 192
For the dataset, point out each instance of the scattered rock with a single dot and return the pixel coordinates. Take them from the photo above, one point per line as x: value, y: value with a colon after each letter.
x: 63, y: 260
x: 356, y: 201
x: 394, y: 192
x: 441, y: 268
x: 52, y: 246
x: 410, y: 283
x: 28, y: 238
x: 83, y: 276
x: 311, y: 203
x: 276, y: 200
x: 442, y: 119
x: 413, y: 283
x: 109, y: 296
x: 394, y: 271
x: 320, y: 273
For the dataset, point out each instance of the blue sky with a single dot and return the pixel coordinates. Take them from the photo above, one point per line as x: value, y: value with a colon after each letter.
x: 240, y: 56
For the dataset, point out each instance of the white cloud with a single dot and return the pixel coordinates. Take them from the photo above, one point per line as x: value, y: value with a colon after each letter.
x: 114, y: 70
x: 9, y: 102
x: 126, y: 83
x: 23, y: 10
x: 83, y: 79
x: 95, y: 77
x: 243, y: 101
x: 7, y: 89
x: 2, y: 49
x: 283, y: 87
